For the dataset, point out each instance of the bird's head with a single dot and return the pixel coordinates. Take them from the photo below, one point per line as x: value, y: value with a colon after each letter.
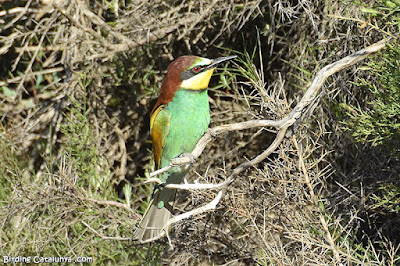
x: 188, y: 72
x: 196, y: 72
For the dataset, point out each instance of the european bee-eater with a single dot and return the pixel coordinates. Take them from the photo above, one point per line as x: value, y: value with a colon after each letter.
x: 179, y: 119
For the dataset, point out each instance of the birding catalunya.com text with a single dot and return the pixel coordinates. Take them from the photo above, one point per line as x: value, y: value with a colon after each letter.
x: 40, y: 259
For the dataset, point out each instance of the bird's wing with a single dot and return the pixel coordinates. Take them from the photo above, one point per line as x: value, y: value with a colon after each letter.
x: 159, y: 128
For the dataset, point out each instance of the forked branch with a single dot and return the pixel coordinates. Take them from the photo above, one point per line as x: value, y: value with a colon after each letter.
x: 282, y: 124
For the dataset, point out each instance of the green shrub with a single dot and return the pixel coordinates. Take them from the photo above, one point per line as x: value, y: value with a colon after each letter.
x: 379, y: 122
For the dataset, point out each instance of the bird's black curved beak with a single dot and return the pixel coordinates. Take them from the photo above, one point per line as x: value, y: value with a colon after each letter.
x: 220, y: 60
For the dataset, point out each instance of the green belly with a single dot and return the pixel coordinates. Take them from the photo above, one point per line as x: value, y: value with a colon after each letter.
x: 190, y: 117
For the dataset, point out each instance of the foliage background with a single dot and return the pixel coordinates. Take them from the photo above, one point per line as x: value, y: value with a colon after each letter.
x: 78, y: 81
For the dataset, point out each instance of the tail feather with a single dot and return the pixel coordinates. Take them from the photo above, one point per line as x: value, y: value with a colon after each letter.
x: 152, y: 225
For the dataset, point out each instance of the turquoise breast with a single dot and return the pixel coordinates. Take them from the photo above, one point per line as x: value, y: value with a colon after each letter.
x: 190, y: 117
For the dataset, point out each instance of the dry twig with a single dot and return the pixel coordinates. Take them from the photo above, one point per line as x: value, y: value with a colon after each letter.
x: 209, y: 206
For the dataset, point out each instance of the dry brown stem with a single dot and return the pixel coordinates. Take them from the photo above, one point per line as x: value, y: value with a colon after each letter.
x: 113, y: 203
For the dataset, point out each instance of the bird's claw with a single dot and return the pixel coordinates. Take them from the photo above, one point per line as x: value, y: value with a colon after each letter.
x: 189, y: 156
x: 158, y: 186
x: 186, y: 158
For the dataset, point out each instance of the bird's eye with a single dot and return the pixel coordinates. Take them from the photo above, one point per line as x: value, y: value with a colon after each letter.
x: 196, y: 69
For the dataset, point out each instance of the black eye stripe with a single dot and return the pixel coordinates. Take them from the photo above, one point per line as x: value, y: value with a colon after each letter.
x: 187, y: 74
x: 190, y: 72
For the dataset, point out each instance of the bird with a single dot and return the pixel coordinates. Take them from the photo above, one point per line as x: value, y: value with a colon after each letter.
x: 178, y: 120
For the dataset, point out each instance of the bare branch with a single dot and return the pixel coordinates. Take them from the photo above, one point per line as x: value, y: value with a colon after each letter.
x: 209, y: 206
x: 187, y: 186
x: 281, y: 124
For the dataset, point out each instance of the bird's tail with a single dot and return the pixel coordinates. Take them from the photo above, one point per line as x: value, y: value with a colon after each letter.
x: 152, y: 225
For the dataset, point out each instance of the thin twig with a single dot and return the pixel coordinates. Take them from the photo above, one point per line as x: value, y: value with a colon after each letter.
x: 124, y: 157
x: 330, y: 240
x: 305, y: 173
x: 115, y: 204
x: 32, y: 74
x: 106, y: 237
x: 209, y: 206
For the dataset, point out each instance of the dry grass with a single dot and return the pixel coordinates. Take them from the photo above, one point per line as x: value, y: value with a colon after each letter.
x: 79, y: 80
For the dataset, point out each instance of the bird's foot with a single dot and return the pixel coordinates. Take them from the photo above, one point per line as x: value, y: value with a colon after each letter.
x: 159, y: 186
x: 189, y: 156
x: 185, y: 158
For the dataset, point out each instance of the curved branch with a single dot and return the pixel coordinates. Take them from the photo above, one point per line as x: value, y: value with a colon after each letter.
x: 283, y: 124
x: 209, y: 206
